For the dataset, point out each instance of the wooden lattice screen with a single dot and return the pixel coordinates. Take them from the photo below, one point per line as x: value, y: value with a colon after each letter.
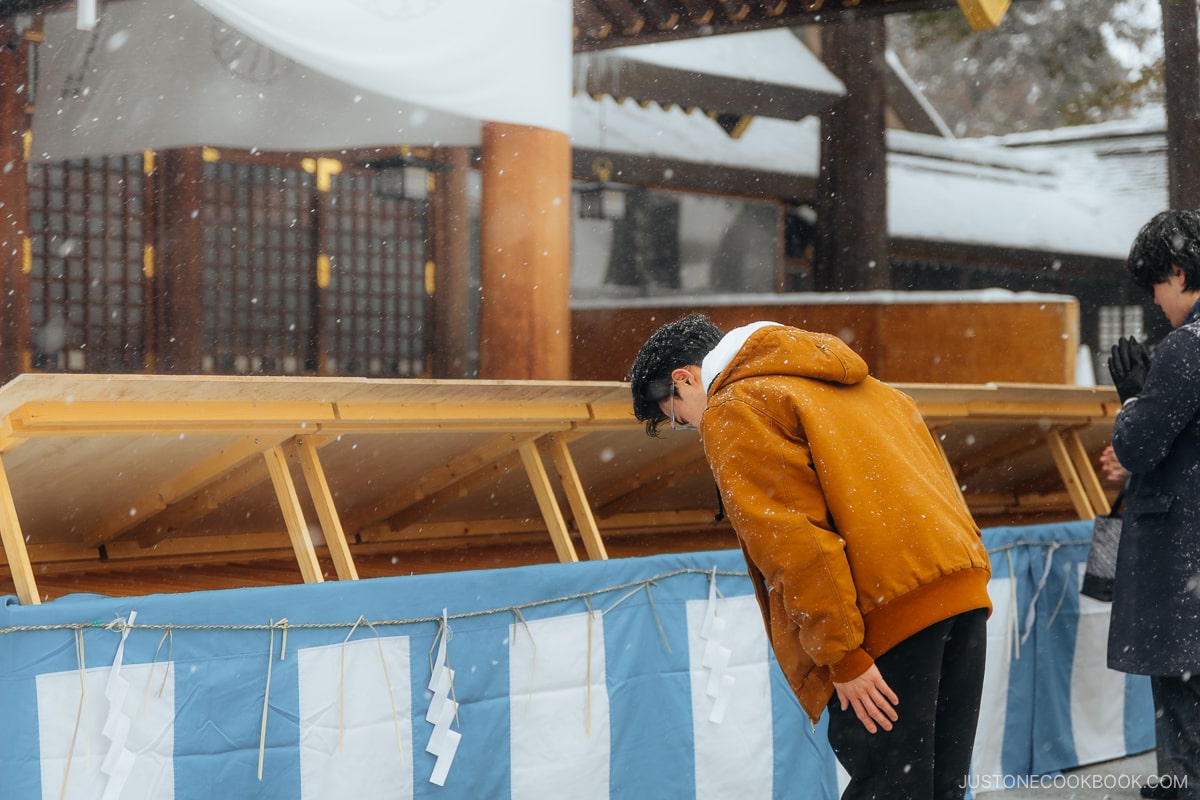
x: 375, y: 314
x: 258, y: 289
x: 294, y: 280
x: 89, y: 304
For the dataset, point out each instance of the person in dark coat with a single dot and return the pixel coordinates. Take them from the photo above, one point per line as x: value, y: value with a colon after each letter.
x: 1155, y: 626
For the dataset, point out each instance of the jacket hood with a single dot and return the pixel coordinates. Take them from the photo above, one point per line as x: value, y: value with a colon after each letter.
x: 768, y: 348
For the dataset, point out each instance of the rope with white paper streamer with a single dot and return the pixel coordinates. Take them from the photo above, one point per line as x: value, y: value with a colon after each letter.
x: 443, y: 709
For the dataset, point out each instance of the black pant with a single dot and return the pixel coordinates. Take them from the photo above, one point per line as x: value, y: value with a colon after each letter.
x: 937, y: 674
x: 1177, y: 731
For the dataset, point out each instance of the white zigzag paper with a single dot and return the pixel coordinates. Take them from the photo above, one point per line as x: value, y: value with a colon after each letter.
x: 443, y: 742
x: 716, y: 656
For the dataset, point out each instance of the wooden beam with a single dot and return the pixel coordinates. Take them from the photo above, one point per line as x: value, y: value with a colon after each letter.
x: 1181, y: 80
x: 80, y: 418
x: 14, y: 545
x: 331, y: 525
x: 544, y: 492
x: 451, y: 232
x: 16, y: 246
x: 577, y: 499
x: 851, y: 240
x: 507, y: 416
x: 179, y: 279
x: 293, y: 514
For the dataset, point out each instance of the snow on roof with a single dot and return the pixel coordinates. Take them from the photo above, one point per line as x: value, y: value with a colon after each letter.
x: 939, y: 190
x: 769, y: 145
x: 1127, y: 157
x: 765, y: 58
x: 675, y: 300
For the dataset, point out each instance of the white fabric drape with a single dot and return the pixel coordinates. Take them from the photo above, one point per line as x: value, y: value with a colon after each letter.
x: 298, y: 74
x: 507, y: 61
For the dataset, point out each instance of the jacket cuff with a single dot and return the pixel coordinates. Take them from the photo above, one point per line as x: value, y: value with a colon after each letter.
x: 854, y: 664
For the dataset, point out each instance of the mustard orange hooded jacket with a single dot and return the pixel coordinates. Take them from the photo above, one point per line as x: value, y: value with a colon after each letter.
x: 854, y: 531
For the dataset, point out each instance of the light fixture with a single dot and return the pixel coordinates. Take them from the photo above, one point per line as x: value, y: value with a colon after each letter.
x: 601, y: 199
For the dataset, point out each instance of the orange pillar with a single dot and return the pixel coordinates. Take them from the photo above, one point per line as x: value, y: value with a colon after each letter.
x: 525, y: 254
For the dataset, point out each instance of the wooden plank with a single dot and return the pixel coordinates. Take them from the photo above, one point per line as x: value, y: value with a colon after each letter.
x: 666, y: 473
x: 180, y: 487
x: 548, y: 504
x: 293, y: 514
x: 232, y: 484
x: 331, y: 524
x: 14, y: 545
x: 436, y: 481
x: 1013, y: 445
x: 1062, y: 460
x: 577, y: 499
x: 1086, y: 472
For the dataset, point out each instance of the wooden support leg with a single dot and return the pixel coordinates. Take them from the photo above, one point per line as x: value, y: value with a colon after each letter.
x: 293, y: 514
x: 14, y: 545
x: 1087, y: 472
x: 331, y: 524
x: 577, y: 499
x: 546, y: 501
x: 1066, y: 468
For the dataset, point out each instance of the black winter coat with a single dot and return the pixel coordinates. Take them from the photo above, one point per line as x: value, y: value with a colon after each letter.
x: 1155, y: 628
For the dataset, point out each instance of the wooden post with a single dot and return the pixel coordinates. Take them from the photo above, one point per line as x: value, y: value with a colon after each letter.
x: 322, y: 497
x: 180, y: 262
x: 15, y: 245
x: 524, y: 315
x: 1071, y: 480
x: 585, y: 521
x: 851, y: 248
x: 452, y: 309
x: 14, y: 545
x: 293, y: 514
x: 1181, y: 76
x: 543, y: 490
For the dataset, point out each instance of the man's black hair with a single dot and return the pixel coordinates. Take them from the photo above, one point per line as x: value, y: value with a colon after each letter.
x: 676, y: 344
x: 1170, y: 239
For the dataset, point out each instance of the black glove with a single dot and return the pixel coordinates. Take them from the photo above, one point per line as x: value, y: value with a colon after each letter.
x: 1128, y: 366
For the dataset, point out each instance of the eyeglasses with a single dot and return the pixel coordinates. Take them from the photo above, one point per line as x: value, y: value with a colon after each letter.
x: 675, y: 426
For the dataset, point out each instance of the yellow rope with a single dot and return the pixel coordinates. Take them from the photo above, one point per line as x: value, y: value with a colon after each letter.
x: 262, y: 735
x: 79, y: 712
x: 166, y: 672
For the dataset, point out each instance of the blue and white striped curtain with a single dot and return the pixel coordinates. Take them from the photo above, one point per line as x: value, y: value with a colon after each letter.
x: 646, y: 677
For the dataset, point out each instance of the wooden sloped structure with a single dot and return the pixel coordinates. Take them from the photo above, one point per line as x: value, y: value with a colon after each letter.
x: 130, y: 485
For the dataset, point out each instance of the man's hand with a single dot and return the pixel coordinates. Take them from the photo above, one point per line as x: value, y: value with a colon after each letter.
x: 872, y: 699
x: 1128, y: 365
